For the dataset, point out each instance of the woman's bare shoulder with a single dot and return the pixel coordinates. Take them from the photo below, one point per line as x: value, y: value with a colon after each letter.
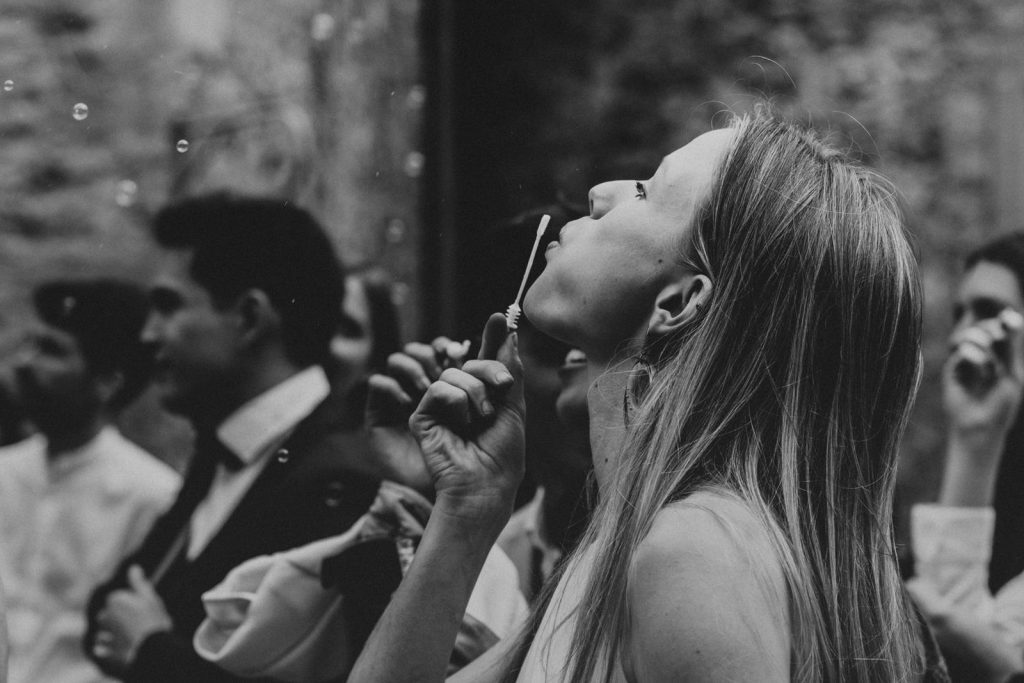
x: 707, y: 596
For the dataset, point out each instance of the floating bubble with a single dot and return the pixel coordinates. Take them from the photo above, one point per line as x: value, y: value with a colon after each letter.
x: 400, y: 293
x: 396, y: 230
x: 8, y: 85
x: 414, y: 164
x: 417, y: 97
x: 323, y: 27
x: 80, y: 112
x: 181, y: 146
x: 126, y: 191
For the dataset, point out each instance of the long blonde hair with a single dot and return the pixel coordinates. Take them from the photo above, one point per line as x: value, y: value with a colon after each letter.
x: 791, y: 392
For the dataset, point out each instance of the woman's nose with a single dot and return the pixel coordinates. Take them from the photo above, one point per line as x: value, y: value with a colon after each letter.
x: 604, y: 197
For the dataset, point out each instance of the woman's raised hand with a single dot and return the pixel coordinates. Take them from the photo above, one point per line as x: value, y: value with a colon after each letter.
x: 470, y: 428
x: 391, y: 398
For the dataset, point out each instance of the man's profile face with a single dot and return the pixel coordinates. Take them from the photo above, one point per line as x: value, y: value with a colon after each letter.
x: 53, y: 380
x: 195, y: 344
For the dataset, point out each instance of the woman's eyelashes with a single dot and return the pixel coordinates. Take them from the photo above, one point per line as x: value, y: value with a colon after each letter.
x: 641, y: 191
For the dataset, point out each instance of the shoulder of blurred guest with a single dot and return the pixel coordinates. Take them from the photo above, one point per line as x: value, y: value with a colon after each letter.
x: 24, y: 459
x: 132, y: 471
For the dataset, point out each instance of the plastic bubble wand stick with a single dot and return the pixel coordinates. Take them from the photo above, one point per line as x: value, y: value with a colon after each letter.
x: 513, y: 312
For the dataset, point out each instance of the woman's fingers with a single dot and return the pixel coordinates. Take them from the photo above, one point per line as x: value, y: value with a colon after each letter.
x: 448, y: 404
x: 495, y: 334
x: 490, y: 372
x: 471, y: 392
x: 480, y: 380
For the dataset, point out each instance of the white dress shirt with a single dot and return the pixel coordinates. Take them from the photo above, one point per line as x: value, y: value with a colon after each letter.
x: 524, y: 542
x: 952, y: 547
x: 253, y: 433
x: 65, y: 524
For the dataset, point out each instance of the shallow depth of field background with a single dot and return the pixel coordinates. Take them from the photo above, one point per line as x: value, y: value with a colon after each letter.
x: 411, y: 128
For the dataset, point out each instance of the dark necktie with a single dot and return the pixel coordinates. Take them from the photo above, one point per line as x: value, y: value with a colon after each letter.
x: 208, y: 452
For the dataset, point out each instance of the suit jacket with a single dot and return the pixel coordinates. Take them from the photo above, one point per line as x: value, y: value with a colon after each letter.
x: 317, y: 484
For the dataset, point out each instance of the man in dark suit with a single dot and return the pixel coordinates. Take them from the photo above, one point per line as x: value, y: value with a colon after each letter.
x: 242, y: 314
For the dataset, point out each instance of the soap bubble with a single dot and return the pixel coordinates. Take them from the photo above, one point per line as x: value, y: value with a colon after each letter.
x: 80, y: 112
x: 181, y: 146
x: 126, y: 191
x: 8, y: 85
x: 323, y: 27
x: 417, y: 97
x: 414, y: 164
x: 396, y: 231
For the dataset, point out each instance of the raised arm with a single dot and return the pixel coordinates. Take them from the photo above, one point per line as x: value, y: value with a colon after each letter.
x: 470, y: 427
x: 982, y: 382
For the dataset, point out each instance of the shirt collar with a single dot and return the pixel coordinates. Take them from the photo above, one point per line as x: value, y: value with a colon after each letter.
x: 534, y: 522
x: 68, y: 461
x: 255, y: 425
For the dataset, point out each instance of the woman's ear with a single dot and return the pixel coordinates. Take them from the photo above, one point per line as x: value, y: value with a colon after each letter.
x: 678, y: 304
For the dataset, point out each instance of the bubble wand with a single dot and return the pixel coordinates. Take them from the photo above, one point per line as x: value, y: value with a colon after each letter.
x: 513, y: 312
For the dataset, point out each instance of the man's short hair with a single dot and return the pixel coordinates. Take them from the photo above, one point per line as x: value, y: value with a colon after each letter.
x: 105, y: 316
x: 241, y: 243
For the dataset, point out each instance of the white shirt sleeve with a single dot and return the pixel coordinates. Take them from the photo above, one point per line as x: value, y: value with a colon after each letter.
x: 952, y: 547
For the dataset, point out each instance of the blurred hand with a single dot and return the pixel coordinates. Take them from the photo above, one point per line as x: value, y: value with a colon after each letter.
x: 968, y: 643
x: 470, y: 426
x: 392, y: 398
x: 983, y: 380
x: 129, y: 617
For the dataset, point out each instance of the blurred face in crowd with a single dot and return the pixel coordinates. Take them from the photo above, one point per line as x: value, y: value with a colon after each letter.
x: 353, y: 345
x: 54, y: 384
x: 571, y: 404
x: 571, y: 408
x: 606, y: 269
x: 985, y: 290
x: 196, y: 345
x: 541, y: 357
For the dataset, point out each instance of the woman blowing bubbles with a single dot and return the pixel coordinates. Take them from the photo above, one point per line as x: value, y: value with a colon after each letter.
x: 750, y: 316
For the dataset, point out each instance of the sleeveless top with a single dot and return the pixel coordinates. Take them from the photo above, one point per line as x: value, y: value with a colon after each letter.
x: 548, y: 656
x: 547, y: 659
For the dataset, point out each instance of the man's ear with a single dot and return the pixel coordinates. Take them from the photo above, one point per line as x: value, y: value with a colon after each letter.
x: 678, y: 304
x: 257, y: 315
x: 108, y: 385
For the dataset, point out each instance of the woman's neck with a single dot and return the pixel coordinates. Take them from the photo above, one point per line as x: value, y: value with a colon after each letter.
x: 607, y: 418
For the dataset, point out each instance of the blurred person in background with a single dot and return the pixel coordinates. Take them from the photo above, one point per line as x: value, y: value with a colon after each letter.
x: 978, y: 618
x: 14, y: 425
x: 545, y: 530
x: 369, y: 331
x: 76, y: 497
x: 242, y: 313
x: 548, y: 524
